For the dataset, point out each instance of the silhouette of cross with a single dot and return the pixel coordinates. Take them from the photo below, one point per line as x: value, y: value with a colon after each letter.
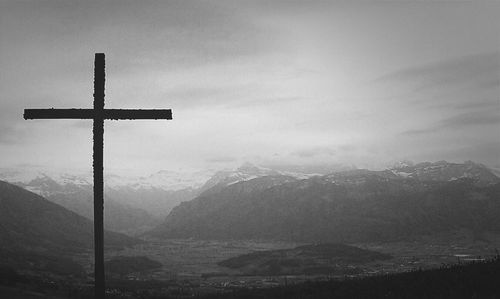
x: 98, y: 115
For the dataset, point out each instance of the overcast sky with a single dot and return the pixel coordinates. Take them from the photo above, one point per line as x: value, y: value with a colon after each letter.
x: 270, y: 82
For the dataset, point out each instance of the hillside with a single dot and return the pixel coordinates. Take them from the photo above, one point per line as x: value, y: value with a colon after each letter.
x: 77, y: 196
x: 474, y: 280
x: 306, y: 259
x: 350, y: 206
x: 132, y: 205
x: 32, y: 223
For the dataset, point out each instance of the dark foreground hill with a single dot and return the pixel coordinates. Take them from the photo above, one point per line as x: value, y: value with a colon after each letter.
x: 465, y: 281
x: 36, y: 233
x: 307, y: 259
x: 343, y: 207
x: 476, y: 280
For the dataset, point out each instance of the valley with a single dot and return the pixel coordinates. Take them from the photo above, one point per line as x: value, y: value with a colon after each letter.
x: 192, y: 267
x: 196, y: 263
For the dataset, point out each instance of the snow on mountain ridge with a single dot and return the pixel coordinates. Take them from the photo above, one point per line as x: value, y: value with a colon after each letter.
x: 168, y: 180
x: 247, y: 172
x: 163, y: 179
x: 446, y: 171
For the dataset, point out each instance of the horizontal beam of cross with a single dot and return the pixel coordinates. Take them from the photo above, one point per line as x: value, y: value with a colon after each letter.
x: 113, y: 114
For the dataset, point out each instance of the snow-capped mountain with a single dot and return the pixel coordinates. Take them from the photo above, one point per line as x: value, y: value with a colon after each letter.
x: 426, y: 171
x: 163, y: 179
x: 445, y: 171
x: 345, y: 206
x: 247, y: 172
x: 135, y: 203
x: 132, y: 204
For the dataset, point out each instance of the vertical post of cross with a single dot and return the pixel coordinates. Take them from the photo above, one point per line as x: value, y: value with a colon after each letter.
x: 98, y: 132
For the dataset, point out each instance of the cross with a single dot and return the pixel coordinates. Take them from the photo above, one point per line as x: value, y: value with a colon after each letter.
x: 98, y: 114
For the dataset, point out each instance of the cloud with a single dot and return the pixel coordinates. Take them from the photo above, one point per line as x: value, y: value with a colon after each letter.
x: 471, y: 104
x: 328, y: 151
x: 460, y: 121
x: 465, y: 83
x: 221, y: 159
x: 200, y: 96
x: 416, y: 132
x: 267, y: 101
x: 471, y: 119
x: 451, y: 94
x: 488, y: 151
x: 312, y: 152
x: 248, y: 78
x: 481, y: 70
x: 10, y: 134
x: 153, y: 35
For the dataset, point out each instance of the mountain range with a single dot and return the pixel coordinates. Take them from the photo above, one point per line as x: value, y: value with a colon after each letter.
x: 346, y: 206
x: 133, y: 205
x: 444, y: 171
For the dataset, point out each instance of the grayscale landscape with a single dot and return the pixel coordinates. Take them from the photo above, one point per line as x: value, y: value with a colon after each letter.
x: 278, y: 149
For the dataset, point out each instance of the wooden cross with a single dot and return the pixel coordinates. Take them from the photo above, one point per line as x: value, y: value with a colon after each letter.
x: 98, y: 115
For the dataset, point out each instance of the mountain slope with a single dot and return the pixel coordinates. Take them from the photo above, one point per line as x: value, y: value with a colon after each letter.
x: 30, y: 222
x: 78, y: 197
x: 359, y: 205
x: 132, y: 204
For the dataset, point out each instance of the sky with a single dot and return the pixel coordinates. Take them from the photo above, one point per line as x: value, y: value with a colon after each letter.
x: 268, y: 82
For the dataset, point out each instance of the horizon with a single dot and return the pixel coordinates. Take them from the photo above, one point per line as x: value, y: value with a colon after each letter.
x: 25, y: 173
x: 281, y: 83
